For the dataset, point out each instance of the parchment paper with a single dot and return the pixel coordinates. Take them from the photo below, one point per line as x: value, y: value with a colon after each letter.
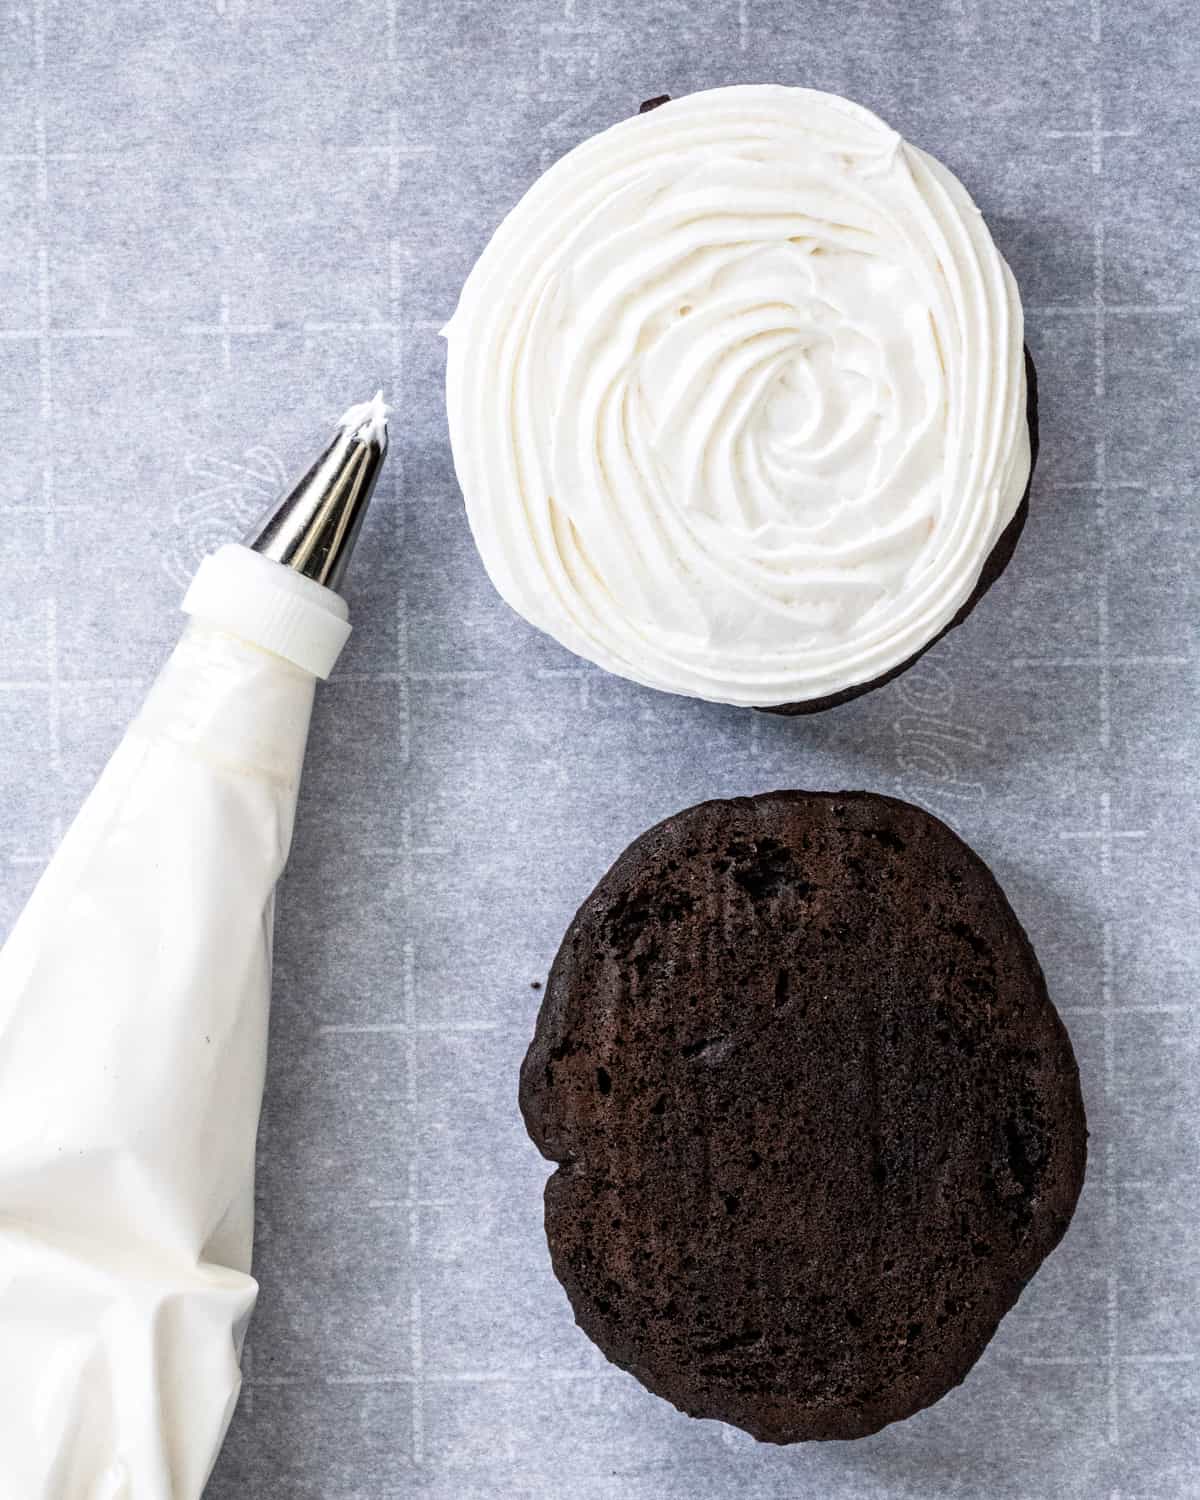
x: 224, y: 221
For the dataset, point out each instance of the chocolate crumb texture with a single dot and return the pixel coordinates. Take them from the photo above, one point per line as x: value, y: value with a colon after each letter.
x: 815, y: 1118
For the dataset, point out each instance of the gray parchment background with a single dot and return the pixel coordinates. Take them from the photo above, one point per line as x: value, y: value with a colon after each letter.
x: 224, y: 220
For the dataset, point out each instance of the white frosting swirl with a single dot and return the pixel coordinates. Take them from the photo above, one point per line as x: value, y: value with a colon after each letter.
x: 737, y: 398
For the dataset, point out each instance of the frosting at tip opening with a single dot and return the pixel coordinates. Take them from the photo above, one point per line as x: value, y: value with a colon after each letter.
x: 369, y: 418
x: 736, y: 397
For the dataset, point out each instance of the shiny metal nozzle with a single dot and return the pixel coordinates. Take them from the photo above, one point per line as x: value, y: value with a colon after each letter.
x: 314, y: 526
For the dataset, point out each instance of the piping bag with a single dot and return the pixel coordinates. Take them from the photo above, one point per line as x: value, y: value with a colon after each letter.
x: 134, y: 993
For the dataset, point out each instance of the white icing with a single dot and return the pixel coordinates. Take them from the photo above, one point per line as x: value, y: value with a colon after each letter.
x: 737, y: 399
x: 368, y: 419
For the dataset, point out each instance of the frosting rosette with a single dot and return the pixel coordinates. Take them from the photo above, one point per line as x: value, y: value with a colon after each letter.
x: 737, y: 398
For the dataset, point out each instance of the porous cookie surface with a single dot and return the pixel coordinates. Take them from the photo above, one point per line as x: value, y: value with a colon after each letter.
x: 817, y: 1121
x: 737, y: 398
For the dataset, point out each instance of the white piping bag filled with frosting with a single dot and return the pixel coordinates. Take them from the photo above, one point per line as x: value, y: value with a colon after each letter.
x: 134, y: 995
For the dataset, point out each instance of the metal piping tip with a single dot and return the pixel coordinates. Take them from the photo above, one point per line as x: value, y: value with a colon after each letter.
x: 315, y: 525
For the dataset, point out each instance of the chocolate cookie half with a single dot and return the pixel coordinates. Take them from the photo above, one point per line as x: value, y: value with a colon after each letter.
x: 738, y: 400
x: 816, y: 1119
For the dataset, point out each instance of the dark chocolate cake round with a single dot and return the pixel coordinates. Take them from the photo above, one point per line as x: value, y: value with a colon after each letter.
x: 815, y: 1117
